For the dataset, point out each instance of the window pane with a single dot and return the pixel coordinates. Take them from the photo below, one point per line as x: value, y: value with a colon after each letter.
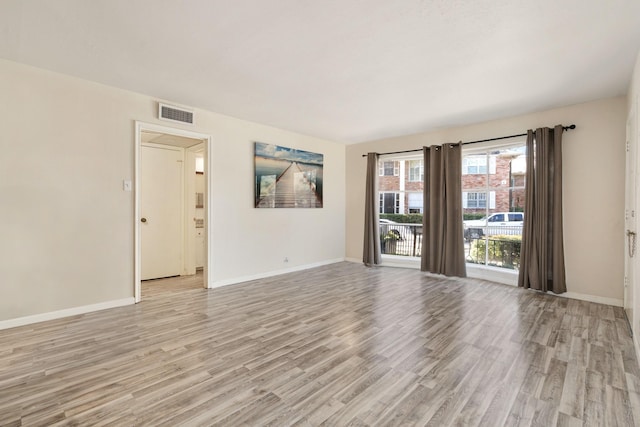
x: 415, y: 202
x: 389, y: 202
x: 388, y: 168
x: 474, y: 171
x: 493, y: 188
x: 416, y: 171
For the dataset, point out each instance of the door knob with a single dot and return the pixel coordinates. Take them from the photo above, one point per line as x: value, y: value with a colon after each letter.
x: 143, y: 219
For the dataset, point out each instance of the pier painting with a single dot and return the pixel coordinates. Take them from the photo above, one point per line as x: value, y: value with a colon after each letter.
x: 287, y: 178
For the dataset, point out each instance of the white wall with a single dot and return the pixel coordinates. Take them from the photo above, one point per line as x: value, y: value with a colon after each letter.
x: 633, y: 99
x: 593, y: 187
x: 66, y: 225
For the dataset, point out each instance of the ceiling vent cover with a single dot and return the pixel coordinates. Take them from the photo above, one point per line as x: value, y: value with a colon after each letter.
x: 174, y: 114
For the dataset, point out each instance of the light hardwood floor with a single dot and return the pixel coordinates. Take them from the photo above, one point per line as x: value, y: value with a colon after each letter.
x: 336, y: 345
x: 162, y: 287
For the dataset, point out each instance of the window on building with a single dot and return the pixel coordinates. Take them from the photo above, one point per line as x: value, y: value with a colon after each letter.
x: 389, y: 168
x: 390, y: 203
x: 478, y: 200
x: 400, y: 203
x: 403, y: 176
x: 415, y: 203
x: 416, y: 170
x: 477, y: 164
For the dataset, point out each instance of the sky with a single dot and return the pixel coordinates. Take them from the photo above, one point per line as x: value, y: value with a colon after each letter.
x: 285, y: 153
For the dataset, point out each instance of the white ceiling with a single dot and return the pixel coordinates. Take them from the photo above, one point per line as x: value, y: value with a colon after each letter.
x: 346, y: 70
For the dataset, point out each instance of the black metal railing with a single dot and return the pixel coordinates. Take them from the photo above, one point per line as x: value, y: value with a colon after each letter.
x: 401, y: 239
x: 497, y: 246
x: 476, y: 232
x: 497, y: 251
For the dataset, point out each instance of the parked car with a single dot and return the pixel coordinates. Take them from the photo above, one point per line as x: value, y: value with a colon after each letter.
x: 496, y: 223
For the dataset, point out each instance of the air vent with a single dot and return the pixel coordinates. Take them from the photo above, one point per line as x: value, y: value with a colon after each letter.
x: 174, y: 114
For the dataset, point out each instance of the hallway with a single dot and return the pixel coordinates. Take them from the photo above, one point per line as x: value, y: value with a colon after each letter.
x: 169, y: 285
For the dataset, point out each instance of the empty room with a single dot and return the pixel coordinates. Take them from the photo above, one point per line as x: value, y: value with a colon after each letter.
x: 274, y: 213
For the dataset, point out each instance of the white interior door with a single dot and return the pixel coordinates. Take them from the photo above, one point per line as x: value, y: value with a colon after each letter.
x: 631, y: 214
x: 161, y: 211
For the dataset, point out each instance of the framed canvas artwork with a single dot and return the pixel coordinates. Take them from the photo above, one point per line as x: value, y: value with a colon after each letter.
x: 287, y: 178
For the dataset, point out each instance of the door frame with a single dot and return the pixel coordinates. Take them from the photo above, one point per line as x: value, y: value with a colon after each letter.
x: 139, y: 128
x: 190, y: 154
x: 631, y: 279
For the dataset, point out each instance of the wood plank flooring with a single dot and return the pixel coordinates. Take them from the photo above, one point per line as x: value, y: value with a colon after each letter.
x: 332, y: 346
x: 162, y: 287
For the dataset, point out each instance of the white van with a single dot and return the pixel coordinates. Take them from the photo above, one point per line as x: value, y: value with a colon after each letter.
x: 497, y: 223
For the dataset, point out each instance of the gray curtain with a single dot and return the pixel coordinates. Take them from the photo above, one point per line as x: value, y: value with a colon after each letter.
x: 443, y: 244
x: 371, y: 253
x: 542, y: 252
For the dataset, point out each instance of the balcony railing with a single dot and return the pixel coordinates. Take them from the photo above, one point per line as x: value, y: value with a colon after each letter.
x: 494, y: 245
x: 497, y: 246
x: 497, y: 251
x: 401, y: 239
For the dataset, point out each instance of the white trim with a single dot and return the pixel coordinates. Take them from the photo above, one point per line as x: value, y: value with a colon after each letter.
x: 242, y: 279
x: 74, y: 311
x: 510, y: 277
x: 591, y: 298
x: 143, y: 126
x: 401, y: 208
x: 492, y: 274
x: 400, y: 261
x: 636, y: 343
x: 497, y: 275
x: 189, y: 258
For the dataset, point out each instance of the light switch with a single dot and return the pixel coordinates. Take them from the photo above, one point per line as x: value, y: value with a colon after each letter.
x: 126, y: 185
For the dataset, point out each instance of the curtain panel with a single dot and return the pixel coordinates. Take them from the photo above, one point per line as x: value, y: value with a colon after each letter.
x: 443, y: 242
x: 542, y: 253
x: 371, y: 253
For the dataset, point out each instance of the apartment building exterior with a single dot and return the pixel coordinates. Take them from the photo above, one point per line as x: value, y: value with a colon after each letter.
x: 491, y: 182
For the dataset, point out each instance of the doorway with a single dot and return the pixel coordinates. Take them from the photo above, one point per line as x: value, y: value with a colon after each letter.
x: 167, y: 228
x: 631, y: 278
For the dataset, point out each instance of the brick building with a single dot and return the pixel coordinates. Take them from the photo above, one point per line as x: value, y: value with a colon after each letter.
x: 495, y: 181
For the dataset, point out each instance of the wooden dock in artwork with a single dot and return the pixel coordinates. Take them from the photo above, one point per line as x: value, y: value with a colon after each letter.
x: 292, y: 189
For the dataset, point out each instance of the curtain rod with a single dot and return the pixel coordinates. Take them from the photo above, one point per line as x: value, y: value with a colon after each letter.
x: 472, y: 142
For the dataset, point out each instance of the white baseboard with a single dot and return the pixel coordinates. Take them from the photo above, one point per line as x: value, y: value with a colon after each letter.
x: 242, y: 279
x: 592, y: 298
x: 51, y: 315
x: 393, y: 261
x: 494, y: 274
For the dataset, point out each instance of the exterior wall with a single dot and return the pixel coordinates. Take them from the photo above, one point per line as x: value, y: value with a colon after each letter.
x: 388, y: 183
x: 501, y: 179
x: 505, y: 200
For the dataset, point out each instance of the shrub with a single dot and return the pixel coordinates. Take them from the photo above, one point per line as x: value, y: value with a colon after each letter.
x: 403, y: 218
x: 504, y: 250
x: 468, y: 216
